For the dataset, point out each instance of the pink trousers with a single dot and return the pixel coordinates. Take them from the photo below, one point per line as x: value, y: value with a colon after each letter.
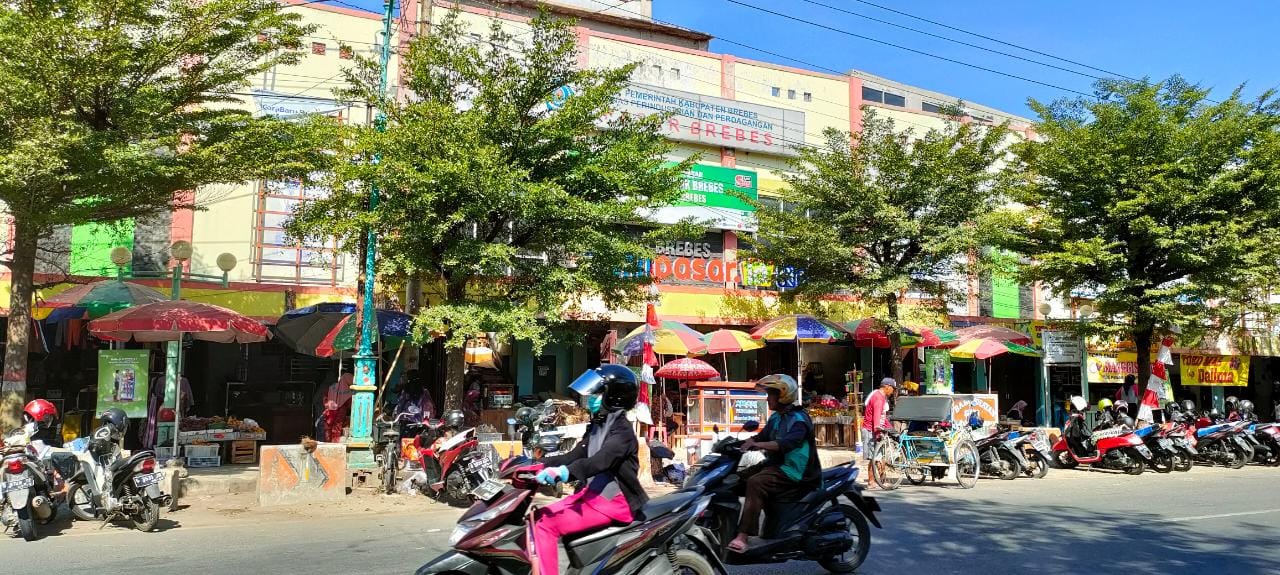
x: 582, y: 511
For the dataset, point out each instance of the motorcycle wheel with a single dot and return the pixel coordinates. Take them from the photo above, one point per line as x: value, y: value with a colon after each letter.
x: 1238, y: 457
x: 27, y: 524
x: 456, y: 492
x: 1163, y: 463
x: 1138, y: 465
x: 1039, y: 466
x: 686, y: 562
x: 1182, y: 462
x: 145, y: 519
x: 967, y: 464
x: 886, y: 465
x: 850, y: 560
x: 1010, y: 469
x: 81, y: 502
x: 1065, y: 460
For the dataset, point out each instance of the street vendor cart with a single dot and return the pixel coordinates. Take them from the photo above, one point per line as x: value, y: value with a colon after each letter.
x: 931, y: 447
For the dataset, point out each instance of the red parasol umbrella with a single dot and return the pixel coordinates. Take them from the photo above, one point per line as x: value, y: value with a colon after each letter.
x: 988, y: 331
x: 169, y: 320
x: 689, y: 369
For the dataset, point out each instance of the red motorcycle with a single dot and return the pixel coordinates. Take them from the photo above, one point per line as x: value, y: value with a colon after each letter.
x: 453, y: 464
x: 1113, y: 448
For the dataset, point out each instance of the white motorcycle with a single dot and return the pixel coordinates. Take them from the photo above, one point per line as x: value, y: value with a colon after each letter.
x: 106, y: 486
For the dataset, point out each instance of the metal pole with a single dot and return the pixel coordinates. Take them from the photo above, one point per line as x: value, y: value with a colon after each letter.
x: 365, y: 382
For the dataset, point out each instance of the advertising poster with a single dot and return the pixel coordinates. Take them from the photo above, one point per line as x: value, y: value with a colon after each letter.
x: 1111, y: 367
x: 937, y: 372
x: 1225, y: 370
x: 122, y: 380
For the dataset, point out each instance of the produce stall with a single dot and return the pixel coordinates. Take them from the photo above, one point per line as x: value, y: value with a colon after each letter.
x: 834, y: 422
x: 211, y: 441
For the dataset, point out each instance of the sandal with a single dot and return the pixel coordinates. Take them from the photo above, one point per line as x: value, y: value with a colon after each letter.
x: 737, y: 546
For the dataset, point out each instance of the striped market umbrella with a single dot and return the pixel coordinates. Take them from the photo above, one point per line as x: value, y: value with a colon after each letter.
x: 170, y: 320
x: 670, y: 338
x: 97, y: 299
x: 985, y: 348
x: 394, y: 327
x: 688, y: 369
x: 726, y: 341
x: 800, y: 329
x: 874, y: 333
x: 996, y: 332
x: 933, y: 337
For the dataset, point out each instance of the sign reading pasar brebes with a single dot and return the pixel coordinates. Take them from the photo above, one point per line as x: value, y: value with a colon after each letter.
x: 717, y: 121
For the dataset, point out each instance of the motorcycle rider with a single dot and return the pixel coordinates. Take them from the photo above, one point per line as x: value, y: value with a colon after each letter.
x: 792, y: 455
x: 1076, y: 433
x: 606, y: 461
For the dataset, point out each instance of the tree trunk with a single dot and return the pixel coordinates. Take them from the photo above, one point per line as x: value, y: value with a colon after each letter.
x: 455, y: 356
x: 22, y: 270
x: 1142, y: 340
x: 895, y: 338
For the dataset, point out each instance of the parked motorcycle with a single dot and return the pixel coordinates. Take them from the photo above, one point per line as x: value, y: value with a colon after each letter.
x: 26, y: 486
x: 1035, y: 448
x: 1268, y: 434
x: 1166, y: 456
x: 451, y: 461
x: 1221, y: 443
x: 492, y: 537
x: 814, y: 527
x: 1000, y: 456
x: 1112, y: 448
x: 105, y: 485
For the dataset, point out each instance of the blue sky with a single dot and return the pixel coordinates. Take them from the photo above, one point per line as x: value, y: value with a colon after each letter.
x: 1218, y: 44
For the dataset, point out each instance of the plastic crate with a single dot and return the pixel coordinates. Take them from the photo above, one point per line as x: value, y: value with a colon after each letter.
x: 164, y: 453
x: 204, y: 462
x: 201, y: 451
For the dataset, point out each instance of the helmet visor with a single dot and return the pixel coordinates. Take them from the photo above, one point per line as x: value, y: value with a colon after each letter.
x: 589, y: 383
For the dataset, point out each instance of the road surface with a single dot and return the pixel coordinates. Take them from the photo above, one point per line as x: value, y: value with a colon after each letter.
x: 1205, y: 521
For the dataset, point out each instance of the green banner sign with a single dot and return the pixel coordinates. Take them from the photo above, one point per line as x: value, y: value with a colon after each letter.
x: 715, y: 187
x: 122, y: 380
x: 937, y: 372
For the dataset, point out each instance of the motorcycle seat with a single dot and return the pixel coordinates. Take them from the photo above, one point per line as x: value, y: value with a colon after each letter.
x: 654, y: 508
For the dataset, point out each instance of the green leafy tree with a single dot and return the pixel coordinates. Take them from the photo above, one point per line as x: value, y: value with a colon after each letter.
x: 885, y: 211
x: 108, y: 108
x: 509, y: 209
x: 1155, y: 201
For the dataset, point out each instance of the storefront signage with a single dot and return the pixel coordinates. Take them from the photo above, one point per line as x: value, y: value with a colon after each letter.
x: 122, y: 380
x: 1111, y: 367
x: 286, y: 106
x: 1225, y: 370
x: 987, y: 406
x: 702, y: 262
x: 716, y: 196
x: 717, y: 121
x: 1060, y: 346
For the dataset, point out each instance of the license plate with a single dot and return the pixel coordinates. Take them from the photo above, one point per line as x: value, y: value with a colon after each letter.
x: 1040, y: 444
x: 148, y: 479
x: 1144, y: 451
x: 20, y: 483
x: 1165, y: 443
x: 485, y: 491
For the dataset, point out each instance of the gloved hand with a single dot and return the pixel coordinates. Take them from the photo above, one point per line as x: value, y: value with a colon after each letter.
x: 553, y: 475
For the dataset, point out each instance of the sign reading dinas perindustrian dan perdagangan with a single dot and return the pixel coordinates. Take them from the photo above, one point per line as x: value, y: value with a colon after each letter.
x: 716, y: 121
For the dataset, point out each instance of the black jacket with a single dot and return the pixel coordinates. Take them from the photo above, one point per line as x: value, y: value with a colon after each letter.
x: 617, y: 456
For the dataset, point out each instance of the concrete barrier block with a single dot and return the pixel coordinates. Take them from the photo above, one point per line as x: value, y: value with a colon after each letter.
x: 290, y: 475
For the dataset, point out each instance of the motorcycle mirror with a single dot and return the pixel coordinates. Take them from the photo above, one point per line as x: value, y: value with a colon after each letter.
x: 751, y: 425
x: 511, y: 421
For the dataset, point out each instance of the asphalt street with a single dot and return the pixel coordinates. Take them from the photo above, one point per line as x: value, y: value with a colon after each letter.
x: 1207, y: 520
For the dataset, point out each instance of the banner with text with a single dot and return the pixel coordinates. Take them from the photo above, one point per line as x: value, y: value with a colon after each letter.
x: 1226, y: 370
x: 711, y: 195
x: 1111, y: 367
x: 716, y: 121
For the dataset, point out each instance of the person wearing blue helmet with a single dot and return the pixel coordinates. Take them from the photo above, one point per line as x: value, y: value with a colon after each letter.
x: 606, y: 461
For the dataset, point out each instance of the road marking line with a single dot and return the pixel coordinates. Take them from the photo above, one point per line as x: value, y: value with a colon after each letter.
x: 1222, y: 515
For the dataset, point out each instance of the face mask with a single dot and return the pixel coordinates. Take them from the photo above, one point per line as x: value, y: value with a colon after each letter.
x: 593, y: 402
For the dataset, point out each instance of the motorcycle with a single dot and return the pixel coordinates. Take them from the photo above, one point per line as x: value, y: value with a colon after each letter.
x: 1111, y: 448
x: 104, y: 485
x: 1000, y: 456
x: 492, y: 537
x: 541, y: 438
x: 452, y: 465
x: 1166, y: 455
x: 1268, y: 434
x: 814, y: 527
x: 1036, y: 450
x: 1221, y: 443
x: 26, y: 486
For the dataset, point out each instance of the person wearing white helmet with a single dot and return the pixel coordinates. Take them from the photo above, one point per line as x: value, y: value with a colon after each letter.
x: 791, y: 450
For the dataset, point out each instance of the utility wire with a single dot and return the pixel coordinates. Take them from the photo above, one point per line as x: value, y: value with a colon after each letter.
x: 908, y: 49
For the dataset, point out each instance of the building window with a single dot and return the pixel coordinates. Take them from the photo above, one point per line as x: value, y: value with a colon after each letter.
x: 657, y: 71
x: 280, y: 260
x: 895, y: 100
x: 930, y: 107
x: 872, y: 95
x: 791, y: 94
x: 317, y: 48
x: 675, y: 73
x: 808, y: 96
x: 346, y: 53
x: 776, y: 91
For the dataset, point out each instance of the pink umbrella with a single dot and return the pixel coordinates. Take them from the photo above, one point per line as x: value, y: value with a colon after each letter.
x: 169, y: 320
x: 996, y: 332
x: 688, y: 368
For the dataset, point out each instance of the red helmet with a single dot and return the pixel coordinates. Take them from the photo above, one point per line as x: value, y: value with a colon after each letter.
x: 41, y: 412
